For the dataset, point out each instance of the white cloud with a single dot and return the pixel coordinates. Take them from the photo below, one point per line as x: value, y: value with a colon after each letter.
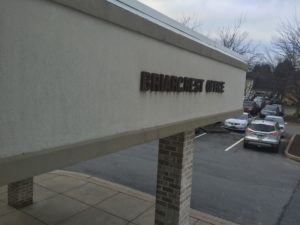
x: 262, y: 16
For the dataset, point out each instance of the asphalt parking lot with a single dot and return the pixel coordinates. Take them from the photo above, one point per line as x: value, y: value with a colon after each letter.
x: 246, y: 186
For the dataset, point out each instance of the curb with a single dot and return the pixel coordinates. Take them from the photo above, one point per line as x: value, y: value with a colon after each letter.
x: 215, y: 130
x: 286, y: 151
x: 204, y: 217
x: 207, y: 218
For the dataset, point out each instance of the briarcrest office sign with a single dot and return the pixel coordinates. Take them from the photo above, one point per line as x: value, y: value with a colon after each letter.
x: 170, y: 83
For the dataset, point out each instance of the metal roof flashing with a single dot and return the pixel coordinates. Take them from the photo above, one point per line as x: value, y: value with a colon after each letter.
x: 156, y: 17
x: 136, y: 16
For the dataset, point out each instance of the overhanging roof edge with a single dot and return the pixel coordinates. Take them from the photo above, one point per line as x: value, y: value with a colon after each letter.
x: 169, y: 23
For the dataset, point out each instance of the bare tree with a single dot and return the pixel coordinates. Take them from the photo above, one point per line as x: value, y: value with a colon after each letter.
x: 231, y: 36
x: 287, y: 44
x: 271, y: 58
x: 191, y: 21
x: 234, y: 38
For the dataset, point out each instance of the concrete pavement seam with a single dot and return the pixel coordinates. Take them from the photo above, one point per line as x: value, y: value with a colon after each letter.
x: 111, y: 196
x: 5, y: 214
x: 32, y: 216
x: 142, y: 213
x: 123, y: 189
x: 146, y: 197
x: 287, y: 204
x: 112, y: 214
x: 66, y: 219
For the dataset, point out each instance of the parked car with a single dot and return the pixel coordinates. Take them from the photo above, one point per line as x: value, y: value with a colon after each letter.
x: 263, y: 133
x: 279, y: 120
x: 250, y: 107
x: 238, y: 123
x: 269, y: 110
x: 251, y: 97
x: 280, y: 108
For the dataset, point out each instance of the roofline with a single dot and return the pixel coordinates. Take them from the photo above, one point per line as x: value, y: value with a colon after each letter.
x: 137, y: 17
x: 169, y: 23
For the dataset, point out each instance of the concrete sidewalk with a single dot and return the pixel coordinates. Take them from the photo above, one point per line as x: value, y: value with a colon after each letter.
x: 69, y: 198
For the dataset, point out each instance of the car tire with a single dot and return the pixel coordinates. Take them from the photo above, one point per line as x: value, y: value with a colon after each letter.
x: 246, y: 145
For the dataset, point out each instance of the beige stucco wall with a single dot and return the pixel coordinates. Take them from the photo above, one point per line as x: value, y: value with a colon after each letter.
x: 66, y: 77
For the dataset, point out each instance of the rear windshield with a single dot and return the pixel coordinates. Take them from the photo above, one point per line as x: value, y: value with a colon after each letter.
x: 271, y: 107
x: 262, y: 127
x: 248, y: 103
x: 279, y: 120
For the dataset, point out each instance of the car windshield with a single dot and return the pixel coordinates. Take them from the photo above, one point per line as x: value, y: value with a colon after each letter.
x: 275, y: 119
x: 248, y: 103
x: 242, y: 117
x: 262, y: 127
x: 271, y: 107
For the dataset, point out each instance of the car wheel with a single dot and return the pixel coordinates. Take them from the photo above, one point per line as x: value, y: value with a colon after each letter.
x: 246, y: 145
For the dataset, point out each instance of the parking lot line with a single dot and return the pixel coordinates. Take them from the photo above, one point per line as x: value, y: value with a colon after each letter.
x: 200, y: 135
x: 236, y: 143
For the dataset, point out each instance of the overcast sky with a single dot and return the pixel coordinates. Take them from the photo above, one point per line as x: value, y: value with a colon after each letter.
x: 262, y: 16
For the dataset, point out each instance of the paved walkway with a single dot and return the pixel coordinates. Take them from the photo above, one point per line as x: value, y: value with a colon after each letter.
x: 68, y: 198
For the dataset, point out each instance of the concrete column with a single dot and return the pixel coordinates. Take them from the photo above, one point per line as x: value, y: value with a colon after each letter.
x: 174, y: 179
x: 20, y: 193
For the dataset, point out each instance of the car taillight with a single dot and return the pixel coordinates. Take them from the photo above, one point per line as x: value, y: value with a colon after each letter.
x: 275, y: 133
x: 248, y: 131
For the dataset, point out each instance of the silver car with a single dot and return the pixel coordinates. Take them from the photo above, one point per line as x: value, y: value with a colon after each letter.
x: 269, y: 110
x: 263, y: 133
x: 279, y: 120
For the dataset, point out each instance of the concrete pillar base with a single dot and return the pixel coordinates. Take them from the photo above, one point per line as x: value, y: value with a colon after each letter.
x: 20, y: 193
x: 174, y: 179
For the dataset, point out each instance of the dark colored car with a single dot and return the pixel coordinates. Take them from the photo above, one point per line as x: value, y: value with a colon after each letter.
x: 272, y: 110
x: 250, y: 107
